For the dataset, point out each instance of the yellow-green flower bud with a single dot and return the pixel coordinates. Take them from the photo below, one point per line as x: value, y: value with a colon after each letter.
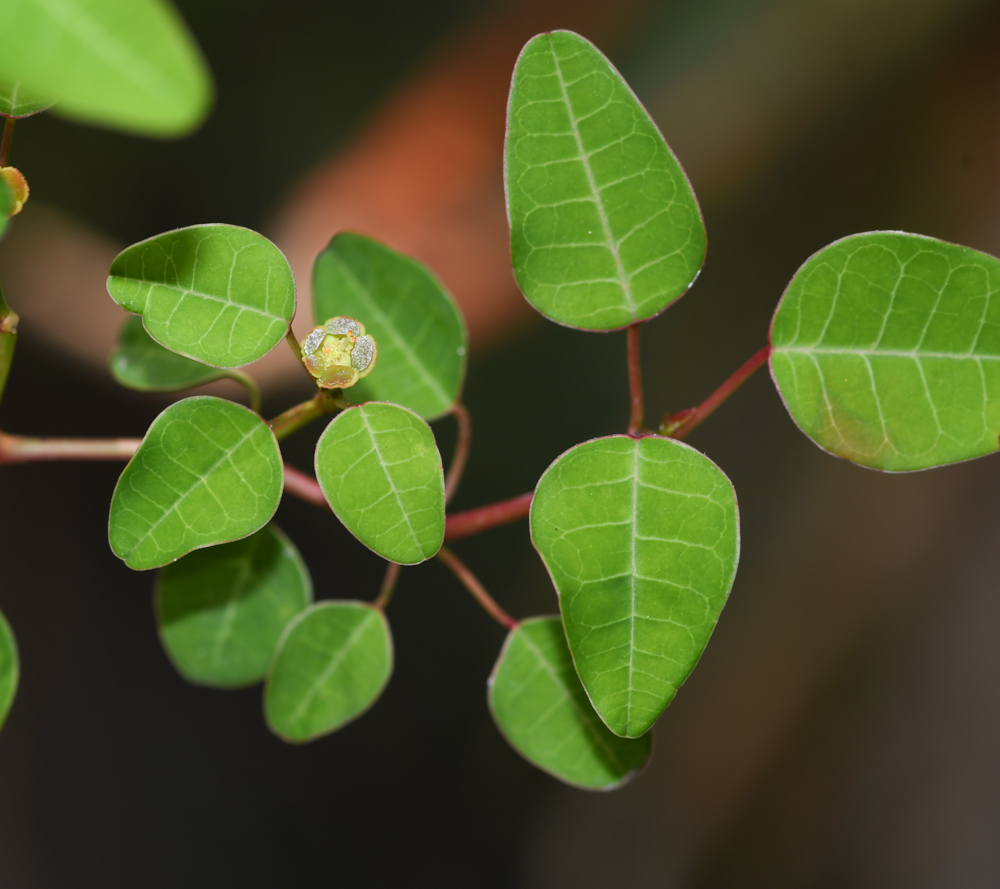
x: 339, y: 353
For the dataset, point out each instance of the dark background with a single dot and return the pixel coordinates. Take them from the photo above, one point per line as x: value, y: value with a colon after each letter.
x: 842, y: 729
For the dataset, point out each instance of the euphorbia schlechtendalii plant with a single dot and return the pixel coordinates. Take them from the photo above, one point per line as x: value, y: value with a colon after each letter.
x: 885, y: 349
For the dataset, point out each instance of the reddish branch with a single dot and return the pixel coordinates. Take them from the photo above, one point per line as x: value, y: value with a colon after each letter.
x: 478, y: 591
x: 472, y: 521
x: 8, y: 134
x: 461, y: 455
x: 25, y: 449
x: 680, y: 424
x: 635, y: 381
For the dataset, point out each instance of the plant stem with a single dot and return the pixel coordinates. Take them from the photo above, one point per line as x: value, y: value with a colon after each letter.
x: 303, y: 414
x: 300, y: 485
x: 478, y: 591
x: 8, y: 135
x: 25, y: 449
x: 297, y: 352
x: 250, y: 384
x: 388, y: 586
x: 635, y: 381
x: 472, y: 521
x: 461, y: 455
x: 680, y: 424
x: 8, y: 340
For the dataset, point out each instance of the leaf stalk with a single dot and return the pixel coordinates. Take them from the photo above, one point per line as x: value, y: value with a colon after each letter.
x: 461, y: 455
x: 472, y: 584
x: 635, y: 381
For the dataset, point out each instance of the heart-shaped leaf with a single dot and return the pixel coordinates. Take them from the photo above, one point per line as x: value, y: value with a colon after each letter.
x: 141, y: 363
x: 418, y: 327
x: 605, y: 230
x: 641, y: 538
x: 219, y: 294
x: 332, y: 664
x: 207, y: 472
x: 15, y: 101
x: 886, y: 350
x: 541, y: 708
x: 9, y: 668
x: 380, y: 470
x: 221, y: 611
x: 127, y: 64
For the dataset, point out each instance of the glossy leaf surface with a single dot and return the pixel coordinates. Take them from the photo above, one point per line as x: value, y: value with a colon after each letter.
x: 141, y: 363
x: 221, y: 611
x: 540, y: 706
x: 9, y: 669
x: 641, y: 538
x: 219, y: 294
x: 886, y: 351
x: 15, y: 101
x: 605, y: 229
x: 418, y: 327
x: 332, y: 664
x: 127, y: 64
x: 380, y: 470
x: 207, y: 472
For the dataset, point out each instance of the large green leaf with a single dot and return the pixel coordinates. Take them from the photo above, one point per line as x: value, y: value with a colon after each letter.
x: 207, y: 472
x: 886, y: 350
x: 540, y: 706
x: 220, y: 294
x: 221, y: 611
x: 641, y: 538
x: 419, y: 330
x: 381, y: 471
x: 141, y: 363
x: 604, y: 227
x: 127, y: 64
x: 16, y: 102
x: 332, y: 664
x: 9, y: 668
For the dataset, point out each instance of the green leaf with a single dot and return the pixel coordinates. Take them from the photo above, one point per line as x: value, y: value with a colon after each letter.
x: 127, y: 64
x: 541, y: 708
x: 207, y: 472
x: 219, y: 294
x: 221, y: 611
x: 380, y: 470
x: 6, y: 205
x: 886, y: 351
x: 16, y: 102
x: 141, y: 363
x: 418, y: 327
x: 641, y: 538
x: 9, y: 669
x: 332, y: 664
x: 605, y: 230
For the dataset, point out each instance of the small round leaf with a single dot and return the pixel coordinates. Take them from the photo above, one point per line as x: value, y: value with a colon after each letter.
x: 380, y: 471
x: 207, y: 472
x: 541, y: 708
x: 886, y: 351
x: 222, y: 610
x: 9, y: 669
x: 641, y: 539
x: 141, y: 363
x: 418, y: 327
x: 605, y: 229
x: 332, y: 664
x: 219, y: 294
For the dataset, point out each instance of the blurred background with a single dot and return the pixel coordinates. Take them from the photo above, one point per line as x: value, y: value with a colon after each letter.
x: 843, y: 727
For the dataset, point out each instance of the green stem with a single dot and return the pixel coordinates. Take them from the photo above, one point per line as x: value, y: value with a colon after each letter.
x: 250, y: 384
x: 461, y: 455
x: 388, y: 586
x: 303, y: 414
x: 472, y: 584
x: 8, y: 340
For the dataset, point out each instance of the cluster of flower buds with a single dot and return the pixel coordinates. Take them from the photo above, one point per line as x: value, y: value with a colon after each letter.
x: 339, y: 353
x: 17, y: 185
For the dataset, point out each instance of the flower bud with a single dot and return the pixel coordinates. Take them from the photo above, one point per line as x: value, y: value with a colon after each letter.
x: 339, y: 353
x: 17, y: 185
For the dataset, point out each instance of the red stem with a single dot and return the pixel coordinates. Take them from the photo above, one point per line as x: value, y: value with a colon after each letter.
x: 680, y: 424
x: 472, y: 584
x: 25, y: 449
x: 305, y: 488
x: 388, y: 586
x: 8, y: 134
x: 472, y: 521
x: 635, y: 381
x: 461, y: 455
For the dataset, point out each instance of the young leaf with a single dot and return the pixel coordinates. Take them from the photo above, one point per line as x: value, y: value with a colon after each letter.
x: 381, y: 472
x: 207, y: 472
x: 219, y: 294
x: 541, y: 708
x: 332, y: 664
x: 221, y: 611
x: 604, y: 227
x: 127, y: 64
x: 141, y: 363
x: 641, y: 538
x: 9, y: 669
x: 418, y: 327
x: 15, y: 101
x: 886, y: 351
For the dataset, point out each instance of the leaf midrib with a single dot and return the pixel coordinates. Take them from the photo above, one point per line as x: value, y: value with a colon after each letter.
x: 189, y: 291
x: 887, y: 353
